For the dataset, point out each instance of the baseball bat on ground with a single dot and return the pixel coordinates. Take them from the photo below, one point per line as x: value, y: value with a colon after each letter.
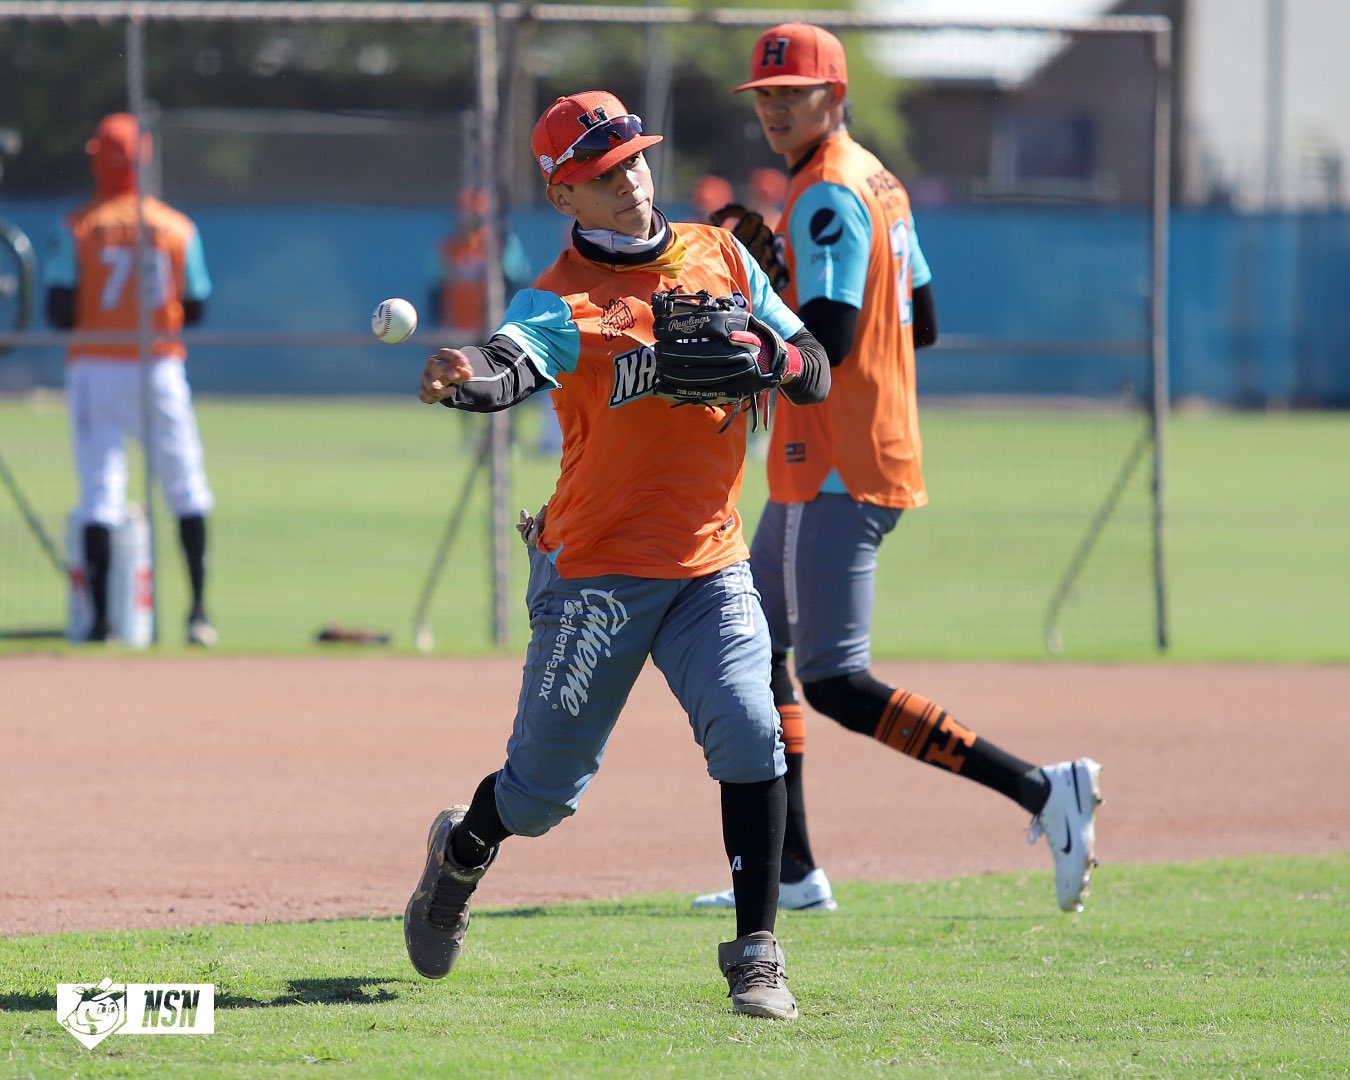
x: 422, y: 637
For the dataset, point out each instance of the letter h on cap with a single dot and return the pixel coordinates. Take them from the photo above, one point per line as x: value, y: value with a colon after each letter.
x: 775, y: 53
x: 594, y: 118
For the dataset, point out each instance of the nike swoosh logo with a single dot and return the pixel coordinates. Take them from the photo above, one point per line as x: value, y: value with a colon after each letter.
x: 1078, y: 802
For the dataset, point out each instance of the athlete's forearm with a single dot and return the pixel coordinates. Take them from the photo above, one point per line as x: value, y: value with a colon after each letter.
x: 502, y: 377
x: 813, y: 384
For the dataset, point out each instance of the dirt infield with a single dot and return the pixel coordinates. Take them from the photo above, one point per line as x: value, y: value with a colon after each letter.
x: 149, y: 792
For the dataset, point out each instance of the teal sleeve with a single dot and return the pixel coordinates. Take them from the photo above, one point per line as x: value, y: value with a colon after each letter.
x: 58, y: 268
x: 764, y: 302
x: 515, y: 263
x: 920, y: 275
x: 830, y: 232
x: 541, y: 323
x: 198, y: 284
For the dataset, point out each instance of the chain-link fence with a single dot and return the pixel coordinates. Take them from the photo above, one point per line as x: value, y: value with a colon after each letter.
x: 324, y: 177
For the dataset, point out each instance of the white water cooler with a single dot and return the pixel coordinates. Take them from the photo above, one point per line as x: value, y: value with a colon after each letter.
x: 131, y: 610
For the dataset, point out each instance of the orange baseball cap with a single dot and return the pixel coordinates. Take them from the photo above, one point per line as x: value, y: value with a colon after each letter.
x: 583, y: 135
x: 796, y: 54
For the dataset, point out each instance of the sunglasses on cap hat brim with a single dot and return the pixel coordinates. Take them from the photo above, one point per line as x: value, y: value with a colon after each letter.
x: 598, y: 141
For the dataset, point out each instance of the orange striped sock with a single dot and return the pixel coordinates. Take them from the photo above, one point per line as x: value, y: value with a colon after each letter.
x: 917, y: 727
x: 794, y: 728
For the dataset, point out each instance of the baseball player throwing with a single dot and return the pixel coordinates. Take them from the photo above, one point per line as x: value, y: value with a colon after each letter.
x: 91, y: 286
x: 641, y: 552
x: 840, y: 475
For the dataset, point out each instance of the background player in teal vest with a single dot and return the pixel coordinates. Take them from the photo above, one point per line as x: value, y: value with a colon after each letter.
x: 842, y: 473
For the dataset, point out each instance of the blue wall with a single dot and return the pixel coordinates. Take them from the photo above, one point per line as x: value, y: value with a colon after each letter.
x: 1258, y: 304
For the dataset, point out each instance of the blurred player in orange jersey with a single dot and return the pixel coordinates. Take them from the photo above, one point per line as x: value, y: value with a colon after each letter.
x: 459, y: 296
x: 91, y: 286
x: 459, y: 291
x: 841, y: 474
x: 710, y: 193
x: 768, y: 194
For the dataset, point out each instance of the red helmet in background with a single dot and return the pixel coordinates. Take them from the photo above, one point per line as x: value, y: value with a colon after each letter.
x: 711, y: 193
x: 115, y: 152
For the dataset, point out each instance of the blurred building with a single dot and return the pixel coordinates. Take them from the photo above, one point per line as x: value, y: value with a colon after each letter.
x: 1258, y: 110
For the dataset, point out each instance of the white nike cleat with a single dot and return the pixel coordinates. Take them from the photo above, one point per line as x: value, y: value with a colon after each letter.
x: 1066, y: 820
x: 812, y: 893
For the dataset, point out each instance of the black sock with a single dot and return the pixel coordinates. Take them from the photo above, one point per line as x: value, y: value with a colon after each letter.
x: 797, y: 858
x: 753, y: 818
x: 192, y: 534
x: 97, y: 563
x: 481, y: 830
x: 1033, y: 790
x: 999, y: 770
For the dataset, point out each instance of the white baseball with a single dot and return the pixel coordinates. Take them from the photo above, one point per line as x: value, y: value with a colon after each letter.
x: 394, y: 320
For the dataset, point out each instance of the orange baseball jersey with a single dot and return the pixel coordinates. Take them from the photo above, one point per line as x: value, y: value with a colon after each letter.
x: 645, y: 489
x: 464, y: 290
x: 95, y: 254
x: 867, y: 430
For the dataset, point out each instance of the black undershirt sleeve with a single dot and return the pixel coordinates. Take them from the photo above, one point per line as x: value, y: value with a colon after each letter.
x: 925, y: 317
x: 502, y: 377
x: 813, y: 384
x: 61, y: 307
x: 833, y: 324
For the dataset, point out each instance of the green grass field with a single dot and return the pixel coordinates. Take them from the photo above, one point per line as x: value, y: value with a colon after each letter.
x: 1162, y: 976
x: 330, y: 511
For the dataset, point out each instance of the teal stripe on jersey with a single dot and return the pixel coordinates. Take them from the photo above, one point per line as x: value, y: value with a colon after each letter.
x: 541, y: 323
x: 764, y: 302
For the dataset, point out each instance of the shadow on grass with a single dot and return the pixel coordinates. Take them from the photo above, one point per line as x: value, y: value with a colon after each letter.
x: 317, y: 992
x: 595, y: 909
x: 27, y: 1002
x: 512, y: 913
x: 297, y: 992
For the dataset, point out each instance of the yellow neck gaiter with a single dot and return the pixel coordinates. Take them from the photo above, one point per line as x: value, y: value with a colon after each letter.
x: 669, y: 263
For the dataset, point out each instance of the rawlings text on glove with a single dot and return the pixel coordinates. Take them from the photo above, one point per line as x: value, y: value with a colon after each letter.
x: 711, y: 351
